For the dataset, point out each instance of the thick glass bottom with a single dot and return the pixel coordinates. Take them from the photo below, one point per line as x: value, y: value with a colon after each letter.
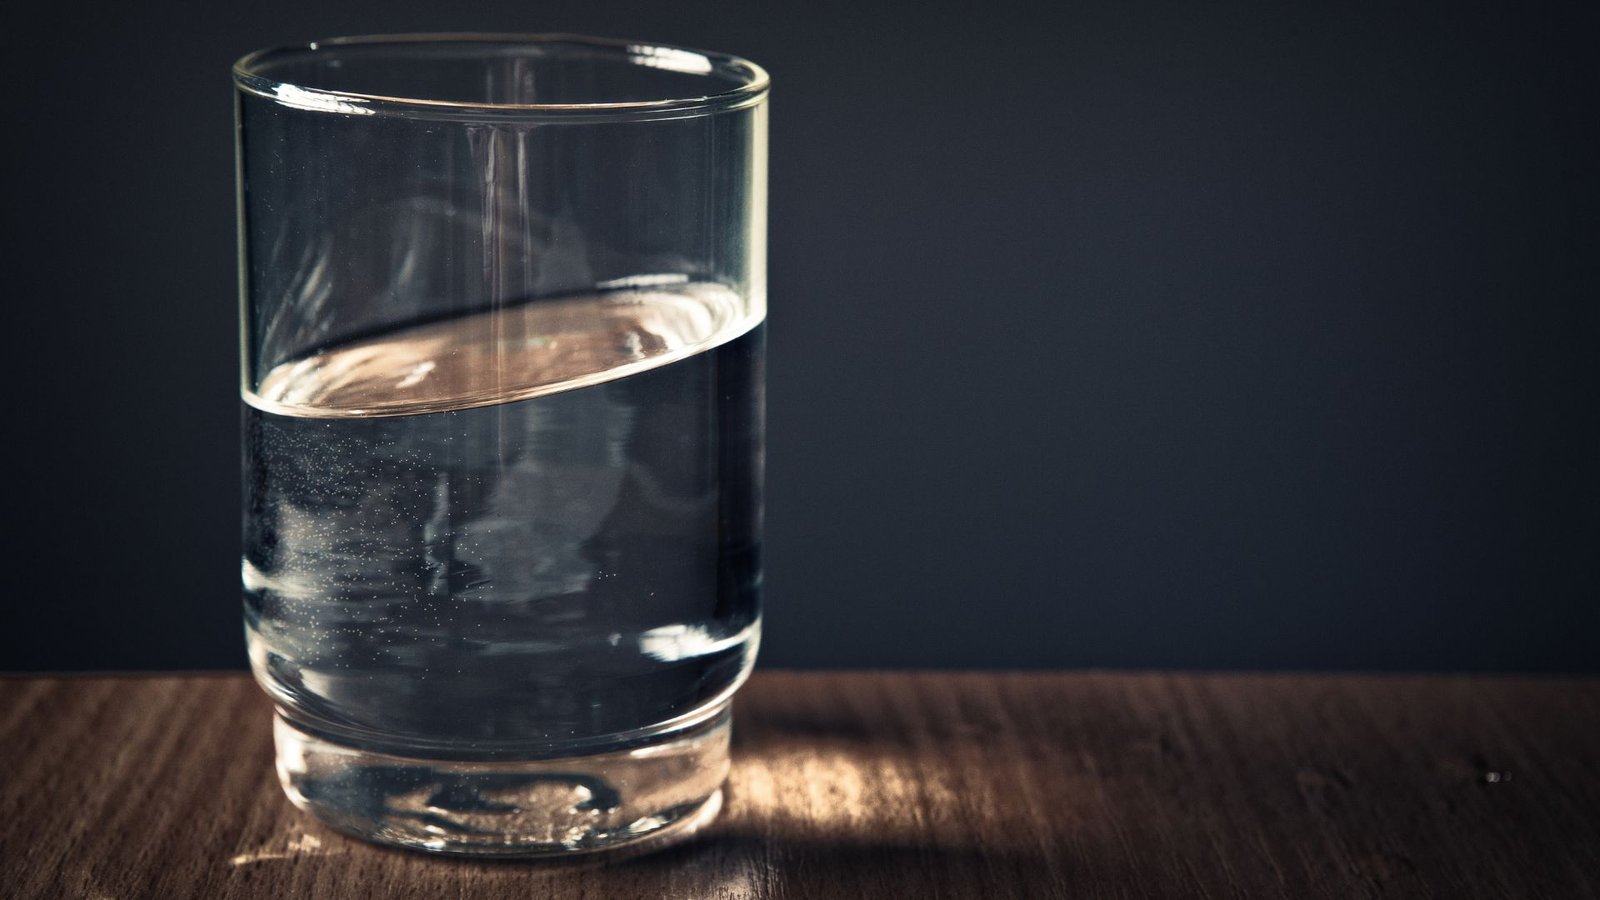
x: 643, y: 797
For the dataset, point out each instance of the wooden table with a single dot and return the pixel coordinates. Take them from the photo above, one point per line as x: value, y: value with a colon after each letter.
x: 885, y: 785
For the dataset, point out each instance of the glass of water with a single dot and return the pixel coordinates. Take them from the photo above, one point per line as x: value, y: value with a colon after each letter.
x: 502, y: 304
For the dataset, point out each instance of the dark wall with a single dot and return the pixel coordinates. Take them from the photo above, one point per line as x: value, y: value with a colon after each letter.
x: 1112, y: 335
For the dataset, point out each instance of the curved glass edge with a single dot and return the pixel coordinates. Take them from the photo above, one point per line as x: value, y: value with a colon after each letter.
x: 751, y: 92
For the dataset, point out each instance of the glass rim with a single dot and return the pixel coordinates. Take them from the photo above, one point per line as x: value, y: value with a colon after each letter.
x: 750, y: 88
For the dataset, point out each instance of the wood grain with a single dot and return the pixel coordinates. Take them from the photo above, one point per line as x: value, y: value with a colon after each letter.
x: 885, y: 785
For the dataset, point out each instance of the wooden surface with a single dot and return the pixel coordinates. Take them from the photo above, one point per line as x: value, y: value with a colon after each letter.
x: 885, y: 785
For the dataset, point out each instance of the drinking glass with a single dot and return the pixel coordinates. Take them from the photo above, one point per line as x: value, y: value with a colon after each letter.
x: 502, y: 305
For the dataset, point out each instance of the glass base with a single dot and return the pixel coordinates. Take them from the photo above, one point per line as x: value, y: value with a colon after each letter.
x: 642, y: 798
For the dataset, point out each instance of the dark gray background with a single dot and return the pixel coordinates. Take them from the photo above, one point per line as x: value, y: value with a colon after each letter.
x: 1118, y: 335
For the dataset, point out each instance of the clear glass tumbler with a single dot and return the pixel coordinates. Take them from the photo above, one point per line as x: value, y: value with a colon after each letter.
x: 501, y: 312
